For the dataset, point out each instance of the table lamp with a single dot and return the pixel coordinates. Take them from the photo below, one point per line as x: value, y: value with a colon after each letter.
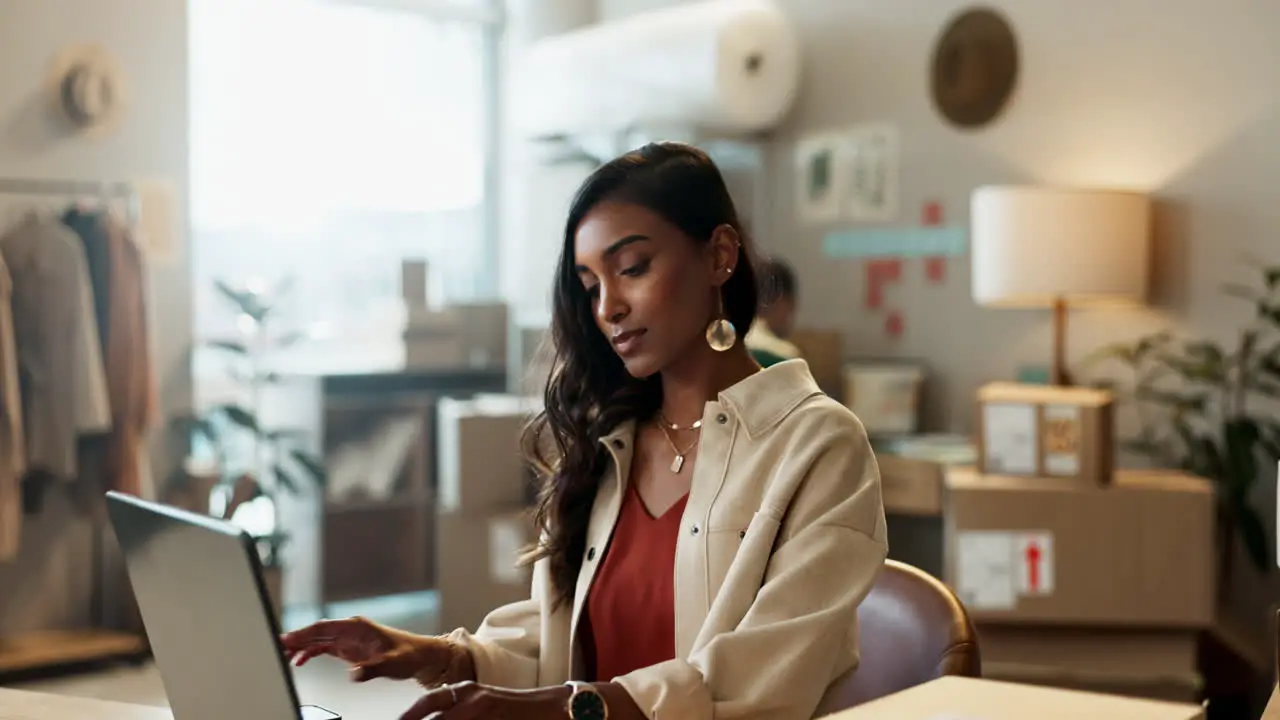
x: 1035, y: 247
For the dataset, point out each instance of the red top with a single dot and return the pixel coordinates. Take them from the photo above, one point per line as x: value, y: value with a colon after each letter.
x: 630, y: 618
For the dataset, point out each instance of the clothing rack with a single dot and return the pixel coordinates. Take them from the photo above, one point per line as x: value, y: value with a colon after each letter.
x: 54, y: 650
x: 53, y: 187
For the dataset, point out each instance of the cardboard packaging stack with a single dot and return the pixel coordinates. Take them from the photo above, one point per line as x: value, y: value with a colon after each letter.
x: 433, y: 339
x: 483, y: 517
x: 1078, y: 576
x: 912, y: 477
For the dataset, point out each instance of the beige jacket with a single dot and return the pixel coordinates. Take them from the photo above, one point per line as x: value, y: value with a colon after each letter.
x: 13, y: 452
x: 784, y: 533
x: 59, y: 350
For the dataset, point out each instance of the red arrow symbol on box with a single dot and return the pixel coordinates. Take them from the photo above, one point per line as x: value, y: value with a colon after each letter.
x: 1033, y: 566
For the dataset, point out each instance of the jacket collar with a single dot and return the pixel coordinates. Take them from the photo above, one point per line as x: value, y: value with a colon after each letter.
x: 758, y: 402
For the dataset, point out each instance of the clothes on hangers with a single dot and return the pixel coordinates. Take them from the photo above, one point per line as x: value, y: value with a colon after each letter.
x: 118, y: 277
x: 63, y: 382
x: 13, y: 452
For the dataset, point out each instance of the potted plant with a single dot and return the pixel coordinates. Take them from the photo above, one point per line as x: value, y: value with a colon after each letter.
x: 235, y: 458
x: 1201, y: 408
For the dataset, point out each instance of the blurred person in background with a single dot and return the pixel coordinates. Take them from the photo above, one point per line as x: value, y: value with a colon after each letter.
x: 767, y: 338
x: 709, y: 527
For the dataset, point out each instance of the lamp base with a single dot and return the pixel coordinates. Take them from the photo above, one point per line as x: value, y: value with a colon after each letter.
x: 1060, y: 375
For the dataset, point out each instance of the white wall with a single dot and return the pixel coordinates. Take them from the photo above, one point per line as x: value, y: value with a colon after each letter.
x: 534, y: 200
x: 48, y: 586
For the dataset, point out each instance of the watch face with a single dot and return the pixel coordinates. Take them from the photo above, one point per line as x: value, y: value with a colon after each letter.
x: 587, y: 706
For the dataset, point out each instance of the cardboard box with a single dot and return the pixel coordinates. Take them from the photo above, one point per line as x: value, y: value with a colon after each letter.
x: 476, y: 564
x: 1048, y: 551
x: 911, y: 487
x: 823, y: 350
x: 885, y: 396
x: 1045, y: 431
x: 434, y: 340
x: 912, y: 471
x: 1151, y: 664
x: 484, y: 331
x: 960, y: 698
x: 480, y: 466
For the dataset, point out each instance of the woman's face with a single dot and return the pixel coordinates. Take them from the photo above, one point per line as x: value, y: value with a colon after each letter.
x: 652, y: 288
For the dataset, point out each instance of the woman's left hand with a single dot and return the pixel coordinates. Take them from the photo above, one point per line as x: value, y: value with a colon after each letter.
x: 473, y: 701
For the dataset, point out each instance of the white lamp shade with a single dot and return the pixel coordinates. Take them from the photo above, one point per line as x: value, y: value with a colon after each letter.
x: 1031, y: 246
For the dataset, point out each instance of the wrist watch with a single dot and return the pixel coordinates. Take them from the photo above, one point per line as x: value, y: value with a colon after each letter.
x: 586, y: 703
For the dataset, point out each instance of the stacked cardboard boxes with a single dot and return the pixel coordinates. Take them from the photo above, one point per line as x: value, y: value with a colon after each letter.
x: 1077, y: 575
x: 483, y: 517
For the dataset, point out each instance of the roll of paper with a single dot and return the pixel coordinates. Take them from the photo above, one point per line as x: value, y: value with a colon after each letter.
x: 721, y: 66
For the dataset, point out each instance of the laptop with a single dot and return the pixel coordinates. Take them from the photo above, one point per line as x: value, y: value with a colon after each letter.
x: 198, y: 584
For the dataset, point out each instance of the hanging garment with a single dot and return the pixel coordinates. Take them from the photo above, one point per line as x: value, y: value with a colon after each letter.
x: 13, y: 452
x: 64, y: 387
x: 118, y: 275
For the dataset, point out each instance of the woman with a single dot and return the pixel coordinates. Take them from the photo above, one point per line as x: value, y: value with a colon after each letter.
x: 709, y: 527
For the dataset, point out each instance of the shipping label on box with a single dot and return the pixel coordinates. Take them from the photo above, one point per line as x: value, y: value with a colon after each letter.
x: 995, y: 568
x: 1038, y: 431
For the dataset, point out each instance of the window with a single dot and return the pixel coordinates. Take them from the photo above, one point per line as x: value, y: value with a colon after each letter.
x: 331, y: 139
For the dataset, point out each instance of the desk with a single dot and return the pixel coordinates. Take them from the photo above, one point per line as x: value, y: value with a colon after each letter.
x: 959, y: 698
x: 24, y: 705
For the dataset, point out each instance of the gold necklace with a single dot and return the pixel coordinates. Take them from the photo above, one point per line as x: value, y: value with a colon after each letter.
x: 677, y: 463
x: 662, y: 416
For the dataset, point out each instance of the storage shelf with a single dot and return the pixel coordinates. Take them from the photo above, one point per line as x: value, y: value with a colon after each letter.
x: 50, y: 650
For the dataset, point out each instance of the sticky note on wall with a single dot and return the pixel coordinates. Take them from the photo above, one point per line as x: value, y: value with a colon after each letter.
x: 896, y: 242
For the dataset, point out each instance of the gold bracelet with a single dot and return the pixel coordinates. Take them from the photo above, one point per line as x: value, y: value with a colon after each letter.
x: 445, y: 675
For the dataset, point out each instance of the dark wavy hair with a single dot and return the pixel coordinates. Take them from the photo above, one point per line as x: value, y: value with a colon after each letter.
x: 589, y: 392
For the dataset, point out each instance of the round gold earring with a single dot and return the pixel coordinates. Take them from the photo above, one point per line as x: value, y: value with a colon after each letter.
x: 721, y: 334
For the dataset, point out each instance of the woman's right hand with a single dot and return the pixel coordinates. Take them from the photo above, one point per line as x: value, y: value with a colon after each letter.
x: 377, y: 651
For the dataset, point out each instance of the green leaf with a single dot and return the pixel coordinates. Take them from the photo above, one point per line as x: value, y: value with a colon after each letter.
x: 1182, y: 402
x: 1270, y: 365
x: 232, y: 346
x: 1144, y: 446
x: 1269, y: 312
x: 1123, y: 352
x: 1271, y: 277
x: 1205, y: 351
x: 1254, y: 535
x: 1244, y: 292
x: 1202, y: 367
x: 313, y: 465
x: 1241, y: 438
x: 289, y: 339
x: 285, y: 480
x: 241, y: 417
x: 245, y: 302
x: 286, y: 434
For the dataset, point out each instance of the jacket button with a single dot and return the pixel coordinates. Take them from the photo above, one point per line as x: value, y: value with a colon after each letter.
x: 618, y: 444
x: 722, y: 418
x: 591, y: 554
x: 693, y: 530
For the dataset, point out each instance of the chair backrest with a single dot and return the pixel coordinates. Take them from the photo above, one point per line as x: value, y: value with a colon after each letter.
x: 912, y: 629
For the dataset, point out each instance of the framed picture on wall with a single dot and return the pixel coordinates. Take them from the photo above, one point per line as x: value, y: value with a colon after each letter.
x: 819, y: 178
x: 870, y: 160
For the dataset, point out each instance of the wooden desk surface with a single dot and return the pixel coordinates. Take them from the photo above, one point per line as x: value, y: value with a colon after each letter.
x: 959, y: 698
x: 25, y: 705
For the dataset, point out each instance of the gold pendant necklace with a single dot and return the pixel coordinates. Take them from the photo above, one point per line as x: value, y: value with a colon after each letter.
x: 677, y: 463
x: 676, y: 428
